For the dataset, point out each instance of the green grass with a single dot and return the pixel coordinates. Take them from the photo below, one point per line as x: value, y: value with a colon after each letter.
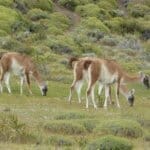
x: 51, y: 121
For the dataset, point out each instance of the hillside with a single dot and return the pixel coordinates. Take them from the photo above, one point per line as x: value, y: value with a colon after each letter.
x: 50, y: 31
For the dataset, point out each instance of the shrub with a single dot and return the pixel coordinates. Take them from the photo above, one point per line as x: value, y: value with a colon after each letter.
x: 138, y: 10
x: 125, y: 128
x: 85, y: 10
x: 103, y: 14
x: 70, y: 4
x: 42, y: 4
x: 91, y: 48
x: 89, y: 125
x: 108, y: 5
x: 110, y: 143
x: 95, y: 35
x: 3, y: 33
x: 6, y: 3
x: 37, y: 14
x: 147, y: 137
x: 59, y: 20
x: 7, y: 18
x: 109, y: 41
x: 59, y: 141
x: 130, y: 42
x: 71, y: 115
x: 20, y: 5
x: 114, y: 24
x: 12, y: 130
x: 94, y: 23
x: 64, y: 127
x: 129, y: 26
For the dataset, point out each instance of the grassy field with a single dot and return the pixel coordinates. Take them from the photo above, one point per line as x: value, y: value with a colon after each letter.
x: 36, y: 122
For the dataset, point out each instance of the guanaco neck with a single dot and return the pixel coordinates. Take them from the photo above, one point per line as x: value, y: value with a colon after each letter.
x: 128, y: 78
x: 124, y: 91
x: 37, y: 77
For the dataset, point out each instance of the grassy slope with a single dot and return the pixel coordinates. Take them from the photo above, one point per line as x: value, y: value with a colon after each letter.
x: 36, y: 111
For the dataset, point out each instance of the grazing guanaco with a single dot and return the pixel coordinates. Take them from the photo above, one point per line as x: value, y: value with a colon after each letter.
x: 22, y: 66
x: 80, y: 74
x: 108, y: 72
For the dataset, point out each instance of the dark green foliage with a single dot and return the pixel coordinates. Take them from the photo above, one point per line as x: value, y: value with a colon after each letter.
x: 138, y: 10
x: 126, y: 128
x: 70, y: 4
x: 42, y: 4
x: 95, y: 35
x: 12, y: 130
x: 64, y: 127
x: 85, y: 10
x: 110, y: 143
x: 69, y: 116
x: 59, y: 141
x: 89, y: 125
x: 37, y: 14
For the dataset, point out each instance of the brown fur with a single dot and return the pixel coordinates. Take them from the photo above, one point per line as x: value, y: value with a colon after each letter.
x: 27, y: 65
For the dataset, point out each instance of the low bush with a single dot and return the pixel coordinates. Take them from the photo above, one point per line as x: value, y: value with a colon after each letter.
x: 42, y: 4
x: 95, y: 35
x: 108, y: 5
x: 20, y: 5
x: 109, y: 41
x: 94, y: 23
x: 12, y: 130
x: 60, y: 141
x: 104, y: 14
x: 7, y: 18
x: 126, y: 128
x: 110, y: 143
x: 147, y: 137
x: 37, y: 14
x: 7, y: 3
x: 114, y: 24
x: 85, y: 10
x: 138, y: 10
x: 70, y: 115
x: 130, y: 42
x: 3, y: 33
x: 89, y: 125
x: 64, y: 127
x: 70, y: 4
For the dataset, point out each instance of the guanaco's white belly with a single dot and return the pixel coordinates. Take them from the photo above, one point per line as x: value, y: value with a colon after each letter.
x: 106, y: 77
x: 16, y: 68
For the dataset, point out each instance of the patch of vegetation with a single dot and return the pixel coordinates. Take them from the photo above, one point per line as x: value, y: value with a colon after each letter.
x: 94, y: 23
x: 7, y: 18
x: 86, y: 11
x: 37, y: 14
x: 138, y: 10
x: 110, y: 143
x: 7, y: 3
x: 70, y: 115
x: 60, y: 141
x: 41, y: 4
x: 70, y: 4
x: 147, y: 137
x: 64, y: 127
x: 12, y: 130
x: 126, y: 128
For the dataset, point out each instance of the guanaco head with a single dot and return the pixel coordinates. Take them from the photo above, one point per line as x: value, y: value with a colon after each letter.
x: 44, y: 89
x: 71, y: 60
x: 131, y: 97
x: 145, y: 79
